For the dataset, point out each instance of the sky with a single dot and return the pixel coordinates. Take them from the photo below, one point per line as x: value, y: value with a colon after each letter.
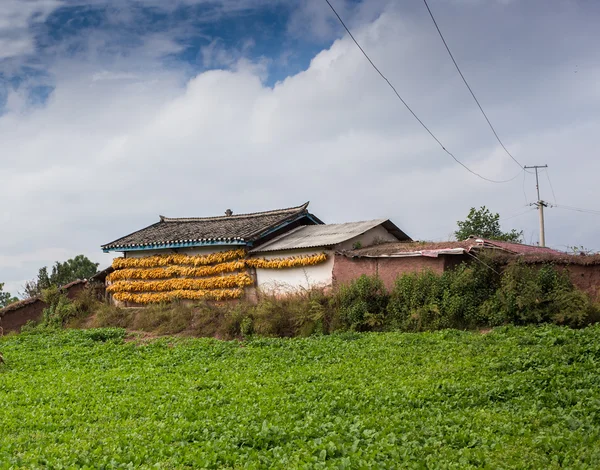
x: 115, y: 111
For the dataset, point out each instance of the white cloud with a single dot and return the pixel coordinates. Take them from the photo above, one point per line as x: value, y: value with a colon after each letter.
x: 16, y: 17
x: 117, y: 144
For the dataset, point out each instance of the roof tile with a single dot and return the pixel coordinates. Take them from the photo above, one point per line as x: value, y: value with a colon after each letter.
x: 240, y: 228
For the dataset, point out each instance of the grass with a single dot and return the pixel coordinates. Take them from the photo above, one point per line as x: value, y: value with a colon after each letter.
x: 523, y: 397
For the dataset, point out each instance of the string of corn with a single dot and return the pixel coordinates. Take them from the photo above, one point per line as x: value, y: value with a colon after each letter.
x: 217, y: 282
x: 166, y: 260
x: 163, y: 297
x: 175, y: 271
x: 282, y: 263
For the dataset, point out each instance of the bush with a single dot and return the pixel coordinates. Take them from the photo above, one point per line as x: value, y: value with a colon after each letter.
x: 302, y: 313
x: 538, y: 295
x: 430, y: 301
x: 362, y: 303
x: 59, y: 308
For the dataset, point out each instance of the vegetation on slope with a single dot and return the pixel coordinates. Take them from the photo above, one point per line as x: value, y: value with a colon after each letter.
x: 513, y: 398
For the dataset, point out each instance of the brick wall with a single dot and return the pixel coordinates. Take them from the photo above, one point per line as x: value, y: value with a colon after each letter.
x: 388, y: 269
x: 584, y: 277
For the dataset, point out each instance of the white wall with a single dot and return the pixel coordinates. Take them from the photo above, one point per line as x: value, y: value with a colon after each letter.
x: 320, y: 275
x: 198, y: 250
x: 290, y: 279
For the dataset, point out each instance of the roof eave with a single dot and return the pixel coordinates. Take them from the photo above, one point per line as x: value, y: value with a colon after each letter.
x: 392, y: 228
x: 173, y: 245
x: 253, y: 238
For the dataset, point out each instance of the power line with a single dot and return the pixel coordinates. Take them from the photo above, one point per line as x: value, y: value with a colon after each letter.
x: 577, y: 209
x: 525, y: 192
x: 469, y: 87
x: 551, y: 188
x: 503, y: 219
x: 409, y: 108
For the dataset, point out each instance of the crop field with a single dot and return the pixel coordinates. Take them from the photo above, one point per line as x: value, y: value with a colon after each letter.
x: 512, y: 398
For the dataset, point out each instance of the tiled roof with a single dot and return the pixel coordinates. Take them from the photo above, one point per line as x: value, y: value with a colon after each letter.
x: 310, y: 236
x: 237, y: 229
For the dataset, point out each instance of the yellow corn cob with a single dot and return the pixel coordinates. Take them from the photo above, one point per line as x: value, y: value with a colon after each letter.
x: 217, y: 282
x: 159, y: 297
x: 282, y: 263
x: 166, y: 260
x: 175, y: 271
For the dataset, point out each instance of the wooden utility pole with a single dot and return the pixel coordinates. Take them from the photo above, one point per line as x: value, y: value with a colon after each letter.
x: 540, y: 204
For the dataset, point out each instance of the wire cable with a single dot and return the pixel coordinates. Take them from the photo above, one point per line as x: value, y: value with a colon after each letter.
x: 503, y: 219
x: 409, y: 108
x: 551, y: 188
x: 486, y: 265
x: 524, y: 191
x: 469, y: 88
x: 577, y: 209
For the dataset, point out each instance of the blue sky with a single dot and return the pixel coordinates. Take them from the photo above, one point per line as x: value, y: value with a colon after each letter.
x: 115, y: 111
x: 197, y: 36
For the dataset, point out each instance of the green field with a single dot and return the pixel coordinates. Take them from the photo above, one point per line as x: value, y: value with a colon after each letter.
x: 512, y: 398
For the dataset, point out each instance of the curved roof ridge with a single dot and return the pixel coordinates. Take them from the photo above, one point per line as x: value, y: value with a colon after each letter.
x: 235, y: 216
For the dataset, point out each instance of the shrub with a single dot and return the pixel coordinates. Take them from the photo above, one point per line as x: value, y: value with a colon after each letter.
x: 538, y: 295
x: 362, y: 303
x: 301, y: 313
x: 59, y: 308
x: 237, y: 320
x: 430, y: 301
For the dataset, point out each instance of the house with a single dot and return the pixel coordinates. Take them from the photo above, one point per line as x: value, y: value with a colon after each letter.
x: 229, y: 256
x: 390, y: 260
x: 312, y: 240
x: 202, y: 235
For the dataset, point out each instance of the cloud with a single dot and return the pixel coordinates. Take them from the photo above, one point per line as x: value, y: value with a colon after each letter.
x: 122, y: 140
x: 16, y: 17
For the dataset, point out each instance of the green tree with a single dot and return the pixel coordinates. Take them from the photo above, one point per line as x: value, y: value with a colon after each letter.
x: 5, y: 297
x: 80, y: 267
x: 482, y: 223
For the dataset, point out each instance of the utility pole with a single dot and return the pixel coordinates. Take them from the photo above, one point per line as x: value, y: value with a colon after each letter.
x: 540, y: 204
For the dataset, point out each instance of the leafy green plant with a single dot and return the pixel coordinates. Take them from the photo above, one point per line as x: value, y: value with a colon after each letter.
x: 59, y: 308
x: 362, y: 303
x: 530, y: 294
x: 516, y: 397
x: 483, y: 223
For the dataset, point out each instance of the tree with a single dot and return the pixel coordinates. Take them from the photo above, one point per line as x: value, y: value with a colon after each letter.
x: 5, y: 297
x: 80, y: 267
x: 482, y: 223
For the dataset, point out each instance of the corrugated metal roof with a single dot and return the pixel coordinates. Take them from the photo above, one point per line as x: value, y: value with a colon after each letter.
x: 312, y: 236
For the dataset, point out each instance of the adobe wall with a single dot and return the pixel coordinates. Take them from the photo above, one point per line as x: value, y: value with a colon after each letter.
x: 347, y: 269
x: 585, y: 278
x: 15, y: 319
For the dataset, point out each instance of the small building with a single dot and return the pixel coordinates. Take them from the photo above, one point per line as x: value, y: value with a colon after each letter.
x: 312, y: 240
x: 390, y: 260
x: 203, y: 235
x: 229, y: 256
